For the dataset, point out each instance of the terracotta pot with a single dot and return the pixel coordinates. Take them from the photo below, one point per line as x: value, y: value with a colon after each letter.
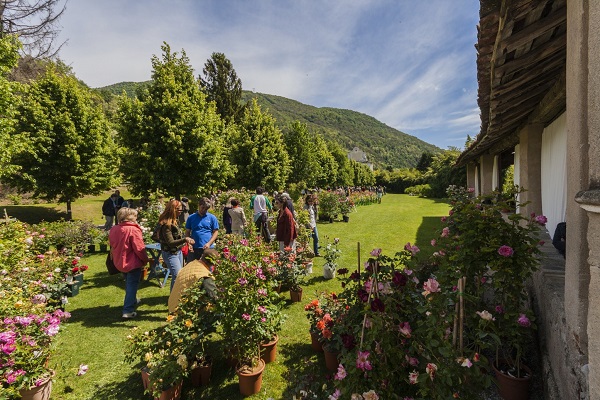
x: 171, y: 393
x: 268, y: 351
x: 41, y: 392
x: 511, y: 388
x: 251, y: 379
x: 331, y: 360
x: 201, y: 375
x: 296, y: 296
x: 314, y: 342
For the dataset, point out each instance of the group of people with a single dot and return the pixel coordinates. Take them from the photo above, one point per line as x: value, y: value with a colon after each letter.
x: 111, y: 207
x: 195, y: 244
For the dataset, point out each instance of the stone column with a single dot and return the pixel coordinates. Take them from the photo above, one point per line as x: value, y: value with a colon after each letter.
x: 471, y: 175
x: 530, y: 163
x: 487, y: 168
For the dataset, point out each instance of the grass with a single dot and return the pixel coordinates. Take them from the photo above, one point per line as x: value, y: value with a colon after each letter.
x: 95, y: 335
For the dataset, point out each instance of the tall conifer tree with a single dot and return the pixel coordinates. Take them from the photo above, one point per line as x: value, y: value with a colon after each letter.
x: 222, y: 85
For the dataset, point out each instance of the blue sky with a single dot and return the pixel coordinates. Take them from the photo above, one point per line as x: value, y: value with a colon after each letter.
x: 408, y: 63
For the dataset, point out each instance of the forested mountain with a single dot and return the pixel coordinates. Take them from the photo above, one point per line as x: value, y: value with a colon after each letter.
x: 385, y: 146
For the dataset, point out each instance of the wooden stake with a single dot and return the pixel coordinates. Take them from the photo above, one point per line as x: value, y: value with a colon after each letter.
x: 456, y: 311
x: 461, y: 289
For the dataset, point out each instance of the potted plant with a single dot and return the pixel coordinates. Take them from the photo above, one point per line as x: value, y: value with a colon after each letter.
x: 331, y: 256
x: 345, y: 207
x: 291, y: 273
x: 328, y: 205
x: 244, y: 277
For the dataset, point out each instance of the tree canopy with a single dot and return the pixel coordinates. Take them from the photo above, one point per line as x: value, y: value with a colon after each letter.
x: 69, y: 151
x: 172, y: 139
x: 9, y: 46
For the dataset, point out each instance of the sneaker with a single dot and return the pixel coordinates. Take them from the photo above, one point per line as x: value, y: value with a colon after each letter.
x: 318, y: 255
x: 129, y: 315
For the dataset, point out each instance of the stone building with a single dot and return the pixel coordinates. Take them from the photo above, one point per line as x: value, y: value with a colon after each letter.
x: 538, y: 68
x: 360, y: 156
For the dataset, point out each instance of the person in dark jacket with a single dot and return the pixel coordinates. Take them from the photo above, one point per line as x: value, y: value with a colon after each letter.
x: 227, y: 217
x: 172, y: 239
x: 559, y: 240
x: 109, y: 211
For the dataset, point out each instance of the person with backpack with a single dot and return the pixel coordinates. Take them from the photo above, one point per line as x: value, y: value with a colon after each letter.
x: 171, y: 238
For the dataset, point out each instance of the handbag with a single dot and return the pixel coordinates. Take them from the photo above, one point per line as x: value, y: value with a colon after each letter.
x: 110, y: 264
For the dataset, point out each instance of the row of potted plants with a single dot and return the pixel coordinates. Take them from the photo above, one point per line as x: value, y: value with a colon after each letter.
x: 426, y: 329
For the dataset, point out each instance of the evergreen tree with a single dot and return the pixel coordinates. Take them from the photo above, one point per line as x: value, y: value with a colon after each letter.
x: 259, y: 152
x: 69, y: 142
x: 172, y: 138
x: 327, y: 166
x: 443, y: 172
x: 222, y: 85
x: 363, y: 176
x: 9, y: 142
x: 424, y: 161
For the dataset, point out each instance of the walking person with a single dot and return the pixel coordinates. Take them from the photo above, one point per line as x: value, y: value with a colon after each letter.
x: 227, y: 217
x: 203, y: 227
x: 309, y: 205
x: 171, y: 238
x: 129, y: 255
x: 185, y: 211
x: 286, y: 233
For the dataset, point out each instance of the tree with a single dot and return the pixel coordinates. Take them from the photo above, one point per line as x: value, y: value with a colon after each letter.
x: 327, y: 170
x: 424, y: 161
x: 172, y: 138
x: 69, y: 151
x: 222, y: 85
x: 35, y: 22
x: 9, y: 143
x: 345, y: 171
x: 303, y: 157
x: 363, y: 176
x: 443, y: 172
x: 259, y: 152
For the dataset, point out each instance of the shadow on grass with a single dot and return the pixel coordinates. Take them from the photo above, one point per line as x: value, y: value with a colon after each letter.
x: 35, y: 214
x: 305, y: 370
x: 424, y: 232
x: 129, y: 387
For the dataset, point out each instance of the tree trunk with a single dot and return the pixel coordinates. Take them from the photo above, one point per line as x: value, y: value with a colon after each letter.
x: 69, y: 211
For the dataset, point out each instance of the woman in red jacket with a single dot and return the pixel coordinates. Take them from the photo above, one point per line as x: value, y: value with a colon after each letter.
x: 129, y: 255
x: 286, y: 225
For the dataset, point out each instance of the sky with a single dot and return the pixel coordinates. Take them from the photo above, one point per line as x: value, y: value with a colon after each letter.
x: 410, y: 64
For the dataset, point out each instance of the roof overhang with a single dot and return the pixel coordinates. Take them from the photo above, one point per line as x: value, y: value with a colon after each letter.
x: 521, y: 70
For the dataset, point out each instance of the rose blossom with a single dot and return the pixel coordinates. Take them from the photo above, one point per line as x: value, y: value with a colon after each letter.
x: 82, y: 369
x: 246, y: 316
x: 485, y: 315
x: 431, y: 369
x: 541, y: 219
x: 506, y: 251
x: 370, y: 395
x: 524, y: 321
x: 375, y: 252
x: 336, y: 395
x: 341, y: 373
x: 413, y: 377
x: 362, y: 361
x: 405, y: 329
x: 445, y: 232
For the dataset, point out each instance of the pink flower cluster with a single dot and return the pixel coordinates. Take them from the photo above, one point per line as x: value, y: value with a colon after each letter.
x: 506, y: 251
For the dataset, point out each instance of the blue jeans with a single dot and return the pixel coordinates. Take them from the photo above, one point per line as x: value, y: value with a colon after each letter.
x: 174, y: 263
x: 132, y: 281
x: 315, y: 237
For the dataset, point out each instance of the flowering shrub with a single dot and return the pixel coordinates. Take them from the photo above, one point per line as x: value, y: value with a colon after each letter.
x: 331, y: 255
x: 71, y: 235
x: 27, y: 332
x: 290, y: 270
x: 251, y: 309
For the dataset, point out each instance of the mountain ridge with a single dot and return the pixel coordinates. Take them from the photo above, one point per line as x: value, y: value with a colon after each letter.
x: 386, y: 147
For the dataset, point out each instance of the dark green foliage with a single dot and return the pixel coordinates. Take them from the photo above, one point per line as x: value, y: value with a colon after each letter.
x: 443, y: 173
x: 9, y: 46
x: 222, y: 85
x: 424, y: 161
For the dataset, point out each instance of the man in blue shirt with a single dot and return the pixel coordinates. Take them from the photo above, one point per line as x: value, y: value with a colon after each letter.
x: 203, y: 227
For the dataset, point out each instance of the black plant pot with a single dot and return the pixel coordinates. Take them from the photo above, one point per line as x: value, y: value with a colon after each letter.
x: 103, y: 247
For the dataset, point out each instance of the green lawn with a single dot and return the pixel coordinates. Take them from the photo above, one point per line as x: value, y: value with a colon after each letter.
x: 95, y: 335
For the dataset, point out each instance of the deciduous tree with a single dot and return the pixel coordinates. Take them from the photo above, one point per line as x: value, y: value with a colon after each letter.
x: 9, y: 142
x: 172, y: 139
x: 35, y: 22
x: 259, y: 152
x: 69, y: 145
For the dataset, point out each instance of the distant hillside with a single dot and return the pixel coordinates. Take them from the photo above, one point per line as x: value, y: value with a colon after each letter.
x: 385, y: 146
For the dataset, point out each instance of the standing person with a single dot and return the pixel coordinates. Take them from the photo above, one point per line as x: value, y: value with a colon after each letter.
x: 261, y: 214
x: 309, y: 205
x: 109, y: 212
x: 129, y: 255
x: 286, y: 233
x: 119, y: 200
x: 171, y: 238
x: 238, y: 218
x: 203, y: 227
x: 227, y: 217
x: 185, y: 211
